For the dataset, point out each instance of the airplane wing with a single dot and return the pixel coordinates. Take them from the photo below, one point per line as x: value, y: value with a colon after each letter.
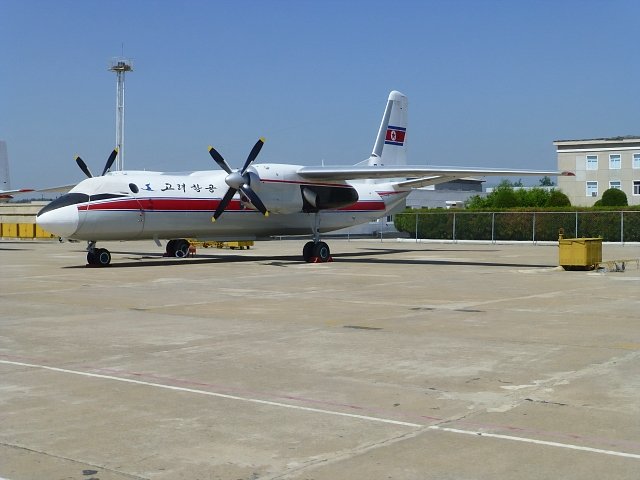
x: 7, y: 193
x: 421, y: 176
x: 60, y: 189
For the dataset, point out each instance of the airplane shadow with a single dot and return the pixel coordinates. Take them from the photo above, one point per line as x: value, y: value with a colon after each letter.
x: 372, y: 256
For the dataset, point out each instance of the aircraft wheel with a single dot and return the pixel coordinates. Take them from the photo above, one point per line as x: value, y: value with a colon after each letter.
x: 102, y: 256
x: 307, y: 251
x: 91, y: 258
x: 321, y: 251
x: 182, y: 248
x: 171, y: 248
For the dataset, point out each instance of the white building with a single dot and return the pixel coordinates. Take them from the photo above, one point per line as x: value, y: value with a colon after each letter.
x: 599, y: 164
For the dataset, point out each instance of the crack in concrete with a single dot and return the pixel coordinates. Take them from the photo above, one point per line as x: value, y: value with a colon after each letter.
x: 343, y: 455
x: 80, y: 462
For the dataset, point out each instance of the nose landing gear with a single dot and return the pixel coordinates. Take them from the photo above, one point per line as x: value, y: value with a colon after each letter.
x: 97, y: 257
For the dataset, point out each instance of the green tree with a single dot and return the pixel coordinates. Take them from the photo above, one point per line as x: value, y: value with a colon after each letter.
x: 477, y: 202
x: 546, y: 182
x: 557, y: 199
x: 532, y: 197
x: 504, y: 197
x: 614, y: 197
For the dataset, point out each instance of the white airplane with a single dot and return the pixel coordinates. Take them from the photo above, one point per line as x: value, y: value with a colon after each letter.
x: 256, y: 201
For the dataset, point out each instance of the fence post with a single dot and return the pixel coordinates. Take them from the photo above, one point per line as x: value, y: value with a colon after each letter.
x: 417, y: 220
x: 534, y: 228
x: 576, y: 225
x: 493, y: 227
x: 454, y: 227
x: 622, y: 228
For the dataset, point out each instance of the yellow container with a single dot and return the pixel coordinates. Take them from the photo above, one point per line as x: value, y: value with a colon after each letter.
x: 580, y: 253
x: 40, y: 233
x: 10, y: 230
x: 240, y: 244
x: 26, y: 230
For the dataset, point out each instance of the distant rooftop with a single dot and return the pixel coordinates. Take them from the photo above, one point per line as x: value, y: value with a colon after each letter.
x: 623, y: 138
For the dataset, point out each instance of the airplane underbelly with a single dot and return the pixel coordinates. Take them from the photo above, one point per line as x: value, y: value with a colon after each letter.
x: 246, y: 224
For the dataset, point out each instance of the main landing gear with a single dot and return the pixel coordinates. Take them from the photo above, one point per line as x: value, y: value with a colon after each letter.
x: 97, y: 257
x: 316, y: 251
x: 178, y: 248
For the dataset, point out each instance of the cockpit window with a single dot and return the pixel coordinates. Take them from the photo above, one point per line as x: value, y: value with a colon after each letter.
x: 105, y: 196
x: 64, y: 201
x: 75, y: 198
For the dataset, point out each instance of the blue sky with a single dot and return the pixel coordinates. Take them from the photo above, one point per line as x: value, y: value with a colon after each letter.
x: 490, y: 83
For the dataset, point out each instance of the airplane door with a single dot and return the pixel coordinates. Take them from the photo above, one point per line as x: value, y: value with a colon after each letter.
x: 140, y: 215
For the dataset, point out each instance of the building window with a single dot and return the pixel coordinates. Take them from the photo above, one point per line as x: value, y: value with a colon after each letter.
x: 636, y: 160
x: 592, y: 162
x: 614, y: 161
x: 636, y: 187
x: 615, y: 184
x: 592, y: 189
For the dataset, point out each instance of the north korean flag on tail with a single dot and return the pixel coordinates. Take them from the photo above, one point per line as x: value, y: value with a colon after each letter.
x: 395, y: 136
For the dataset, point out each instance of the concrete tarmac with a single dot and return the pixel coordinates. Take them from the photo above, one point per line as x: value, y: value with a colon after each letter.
x: 396, y: 361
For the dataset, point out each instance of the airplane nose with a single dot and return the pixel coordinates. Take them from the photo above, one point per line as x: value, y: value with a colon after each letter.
x: 61, y: 221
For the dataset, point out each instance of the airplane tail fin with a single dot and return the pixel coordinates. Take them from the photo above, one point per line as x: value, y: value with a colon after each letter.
x: 390, y: 146
x: 5, y: 183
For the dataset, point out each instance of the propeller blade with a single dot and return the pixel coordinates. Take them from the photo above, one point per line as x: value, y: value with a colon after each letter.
x: 223, y: 203
x: 83, y: 167
x: 219, y: 160
x: 110, y: 160
x: 255, y: 200
x: 253, y: 154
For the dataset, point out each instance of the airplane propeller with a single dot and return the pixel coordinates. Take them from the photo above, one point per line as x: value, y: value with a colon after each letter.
x: 238, y: 180
x: 107, y: 166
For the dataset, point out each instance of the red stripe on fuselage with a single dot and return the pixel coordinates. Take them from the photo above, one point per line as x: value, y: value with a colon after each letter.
x: 365, y: 206
x: 162, y: 204
x: 200, y: 205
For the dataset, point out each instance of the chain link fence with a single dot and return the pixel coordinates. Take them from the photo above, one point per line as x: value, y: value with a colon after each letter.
x: 520, y: 226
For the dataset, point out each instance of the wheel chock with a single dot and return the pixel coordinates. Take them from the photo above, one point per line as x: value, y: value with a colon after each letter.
x: 318, y: 260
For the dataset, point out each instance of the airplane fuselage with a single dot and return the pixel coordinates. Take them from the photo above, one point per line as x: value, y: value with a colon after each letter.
x: 253, y: 202
x: 133, y: 205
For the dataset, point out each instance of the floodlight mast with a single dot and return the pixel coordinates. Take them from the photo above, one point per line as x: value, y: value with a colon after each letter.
x: 120, y: 65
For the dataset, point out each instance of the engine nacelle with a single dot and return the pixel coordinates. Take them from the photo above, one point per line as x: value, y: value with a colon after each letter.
x: 282, y: 190
x: 277, y: 188
x: 324, y: 197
